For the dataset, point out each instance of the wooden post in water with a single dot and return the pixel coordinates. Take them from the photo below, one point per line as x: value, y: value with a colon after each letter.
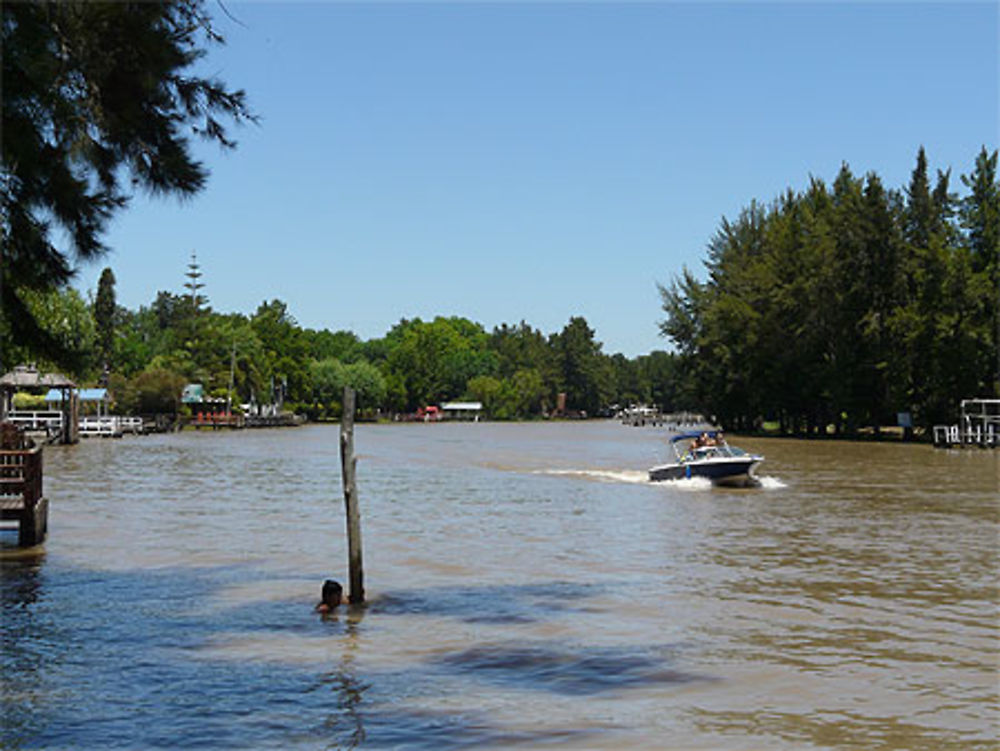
x: 348, y: 465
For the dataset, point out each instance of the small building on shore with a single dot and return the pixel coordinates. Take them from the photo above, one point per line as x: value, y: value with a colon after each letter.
x: 208, y: 410
x: 467, y: 411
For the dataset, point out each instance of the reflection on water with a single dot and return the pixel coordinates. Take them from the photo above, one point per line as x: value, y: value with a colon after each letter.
x: 528, y: 587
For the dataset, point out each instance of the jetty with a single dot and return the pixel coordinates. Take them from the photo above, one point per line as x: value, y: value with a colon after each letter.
x: 111, y: 426
x: 640, y: 416
x: 978, y: 425
x: 21, y: 497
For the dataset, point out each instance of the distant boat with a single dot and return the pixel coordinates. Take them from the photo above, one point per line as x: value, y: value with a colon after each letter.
x: 708, y: 456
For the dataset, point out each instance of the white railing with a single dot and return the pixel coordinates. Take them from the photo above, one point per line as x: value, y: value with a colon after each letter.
x: 42, y: 420
x: 973, y: 435
x: 100, y: 426
x: 110, y: 426
x: 131, y: 425
x: 51, y: 421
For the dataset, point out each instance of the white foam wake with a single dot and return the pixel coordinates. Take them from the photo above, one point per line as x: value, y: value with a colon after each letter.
x: 771, y: 483
x: 687, y: 484
x: 631, y: 476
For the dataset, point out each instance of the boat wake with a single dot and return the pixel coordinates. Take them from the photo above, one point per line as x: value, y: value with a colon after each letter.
x: 687, y: 484
x: 770, y: 483
x: 641, y: 477
x: 630, y: 476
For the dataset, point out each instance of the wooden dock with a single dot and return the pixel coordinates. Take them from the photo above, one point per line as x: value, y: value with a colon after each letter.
x: 110, y: 426
x: 21, y: 497
x: 641, y: 416
x: 979, y: 425
x: 235, y: 421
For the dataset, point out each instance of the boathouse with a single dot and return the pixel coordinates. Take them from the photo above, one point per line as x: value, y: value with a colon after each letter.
x: 208, y: 411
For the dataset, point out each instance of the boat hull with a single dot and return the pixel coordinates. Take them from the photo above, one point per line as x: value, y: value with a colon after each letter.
x: 732, y: 472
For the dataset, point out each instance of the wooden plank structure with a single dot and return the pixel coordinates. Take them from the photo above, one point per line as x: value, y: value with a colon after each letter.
x: 21, y: 497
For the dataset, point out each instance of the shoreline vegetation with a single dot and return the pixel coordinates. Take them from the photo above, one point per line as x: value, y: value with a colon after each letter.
x: 832, y: 313
x: 852, y: 305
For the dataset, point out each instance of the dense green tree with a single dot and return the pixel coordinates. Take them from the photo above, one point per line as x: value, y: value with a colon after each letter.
x: 528, y: 392
x: 330, y: 376
x: 629, y: 384
x: 328, y: 379
x: 156, y: 390
x: 434, y: 361
x: 980, y: 219
x: 369, y: 384
x: 98, y: 99
x: 105, y: 310
x: 882, y: 291
x: 583, y: 374
x: 69, y: 324
x: 342, y: 345
x: 841, y: 306
x: 489, y: 391
x: 285, y: 357
x: 668, y: 388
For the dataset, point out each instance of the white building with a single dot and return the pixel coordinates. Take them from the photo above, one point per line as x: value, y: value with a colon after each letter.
x: 470, y: 411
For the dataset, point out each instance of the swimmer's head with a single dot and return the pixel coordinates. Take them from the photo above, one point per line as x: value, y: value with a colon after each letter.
x: 332, y: 596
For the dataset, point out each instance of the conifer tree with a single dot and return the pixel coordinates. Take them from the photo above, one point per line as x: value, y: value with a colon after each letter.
x: 980, y: 218
x: 98, y: 100
x: 104, y: 319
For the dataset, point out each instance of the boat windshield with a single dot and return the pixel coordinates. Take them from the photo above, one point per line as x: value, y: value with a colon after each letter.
x: 687, y: 453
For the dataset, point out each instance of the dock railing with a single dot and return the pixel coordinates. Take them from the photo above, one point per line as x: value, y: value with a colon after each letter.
x: 21, y: 496
x: 131, y: 425
x: 105, y: 427
x: 47, y: 420
x: 110, y: 426
x: 979, y: 425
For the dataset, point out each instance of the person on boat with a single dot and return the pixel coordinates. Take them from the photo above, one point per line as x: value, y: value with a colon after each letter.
x: 332, y: 596
x: 701, y: 441
x: 696, y: 444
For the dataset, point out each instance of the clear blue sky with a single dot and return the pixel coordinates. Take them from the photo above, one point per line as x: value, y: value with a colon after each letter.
x: 538, y: 161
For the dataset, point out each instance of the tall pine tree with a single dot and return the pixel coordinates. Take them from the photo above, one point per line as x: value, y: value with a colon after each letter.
x: 105, y: 308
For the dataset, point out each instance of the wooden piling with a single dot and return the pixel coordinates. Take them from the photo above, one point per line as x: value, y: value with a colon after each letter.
x: 348, y: 465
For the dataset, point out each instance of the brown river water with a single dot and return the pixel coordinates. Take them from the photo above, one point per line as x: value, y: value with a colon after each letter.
x: 528, y: 588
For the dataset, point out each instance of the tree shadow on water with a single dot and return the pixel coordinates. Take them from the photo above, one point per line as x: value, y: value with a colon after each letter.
x: 375, y: 712
x: 107, y: 658
x: 567, y: 670
x: 492, y: 604
x: 356, y: 721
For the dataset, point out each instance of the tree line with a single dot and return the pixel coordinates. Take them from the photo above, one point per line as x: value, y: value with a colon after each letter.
x: 146, y: 356
x: 845, y: 305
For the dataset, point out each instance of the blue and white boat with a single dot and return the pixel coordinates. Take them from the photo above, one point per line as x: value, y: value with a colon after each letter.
x: 706, y: 454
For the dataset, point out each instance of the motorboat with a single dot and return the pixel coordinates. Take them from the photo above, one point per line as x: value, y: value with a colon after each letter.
x: 706, y: 454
